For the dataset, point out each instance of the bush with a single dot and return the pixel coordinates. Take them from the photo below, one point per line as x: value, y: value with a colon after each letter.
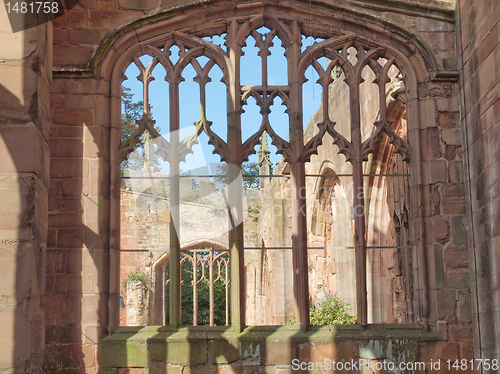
x: 137, y: 276
x: 329, y: 311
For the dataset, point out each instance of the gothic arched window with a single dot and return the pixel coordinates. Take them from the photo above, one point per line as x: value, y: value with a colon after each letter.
x: 275, y: 101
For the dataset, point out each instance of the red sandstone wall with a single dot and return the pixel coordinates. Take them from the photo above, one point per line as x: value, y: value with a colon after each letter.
x: 478, y: 42
x: 25, y: 76
x: 78, y: 265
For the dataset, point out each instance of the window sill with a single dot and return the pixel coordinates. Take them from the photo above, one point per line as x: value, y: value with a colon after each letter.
x: 259, y: 345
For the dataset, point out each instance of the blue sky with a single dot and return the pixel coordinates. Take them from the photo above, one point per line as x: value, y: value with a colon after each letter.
x: 251, y: 74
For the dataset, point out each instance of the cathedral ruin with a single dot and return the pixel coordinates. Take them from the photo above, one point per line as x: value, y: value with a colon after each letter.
x: 186, y: 184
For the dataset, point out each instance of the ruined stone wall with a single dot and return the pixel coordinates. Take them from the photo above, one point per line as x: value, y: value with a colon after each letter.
x: 275, y: 350
x: 145, y: 229
x: 330, y: 210
x: 269, y: 269
x: 78, y: 256
x: 80, y: 204
x: 25, y: 76
x: 478, y: 44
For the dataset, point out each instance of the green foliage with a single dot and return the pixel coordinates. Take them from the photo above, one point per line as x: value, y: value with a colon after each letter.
x: 331, y: 310
x: 249, y: 170
x: 137, y: 276
x: 133, y: 112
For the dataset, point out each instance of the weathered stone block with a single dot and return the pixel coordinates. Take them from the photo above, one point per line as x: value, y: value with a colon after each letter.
x: 14, y: 157
x: 67, y: 356
x: 56, y: 262
x: 434, y: 172
x: 58, y: 131
x: 89, y: 352
x: 445, y: 305
x: 92, y: 334
x: 139, y: 4
x: 85, y: 36
x: 456, y: 257
x: 103, y: 18
x: 432, y: 25
x: 458, y: 230
x: 439, y: 41
x: 68, y: 284
x: 452, y: 136
x: 430, y: 138
x: 457, y: 279
x: 69, y: 148
x: 64, y: 219
x: 67, y: 168
x: 453, y: 205
x: 93, y: 141
x: 439, y: 229
x: 452, y: 153
x: 74, y: 117
x: 72, y: 55
x: 460, y: 331
x: 437, y: 269
x: 464, y: 309
x: 448, y: 120
x: 447, y: 104
x: 70, y: 238
x: 66, y: 204
x: 449, y: 352
x: 279, y: 353
x: 223, y: 352
x: 466, y: 349
x: 428, y: 109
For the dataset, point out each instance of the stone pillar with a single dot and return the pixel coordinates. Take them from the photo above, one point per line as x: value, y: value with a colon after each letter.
x: 137, y: 310
x: 25, y: 74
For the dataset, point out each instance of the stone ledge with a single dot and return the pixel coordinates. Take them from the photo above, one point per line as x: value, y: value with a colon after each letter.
x: 257, y: 345
x: 274, y: 333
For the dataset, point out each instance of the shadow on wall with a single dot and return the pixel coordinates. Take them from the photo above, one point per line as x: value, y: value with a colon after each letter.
x: 163, y: 349
x: 261, y: 349
x: 23, y: 203
x: 76, y: 289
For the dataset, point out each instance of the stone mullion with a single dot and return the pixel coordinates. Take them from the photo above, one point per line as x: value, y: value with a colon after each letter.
x: 325, y: 93
x: 175, y: 250
x: 211, y: 286
x: 417, y: 209
x: 235, y: 183
x: 298, y: 196
x: 194, y: 261
x: 358, y: 201
x: 115, y: 183
x: 381, y: 81
x: 146, y: 78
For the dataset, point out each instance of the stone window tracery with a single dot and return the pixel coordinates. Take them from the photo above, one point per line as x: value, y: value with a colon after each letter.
x: 368, y: 136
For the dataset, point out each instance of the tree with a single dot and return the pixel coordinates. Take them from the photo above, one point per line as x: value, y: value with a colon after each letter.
x: 132, y: 113
x: 249, y: 171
